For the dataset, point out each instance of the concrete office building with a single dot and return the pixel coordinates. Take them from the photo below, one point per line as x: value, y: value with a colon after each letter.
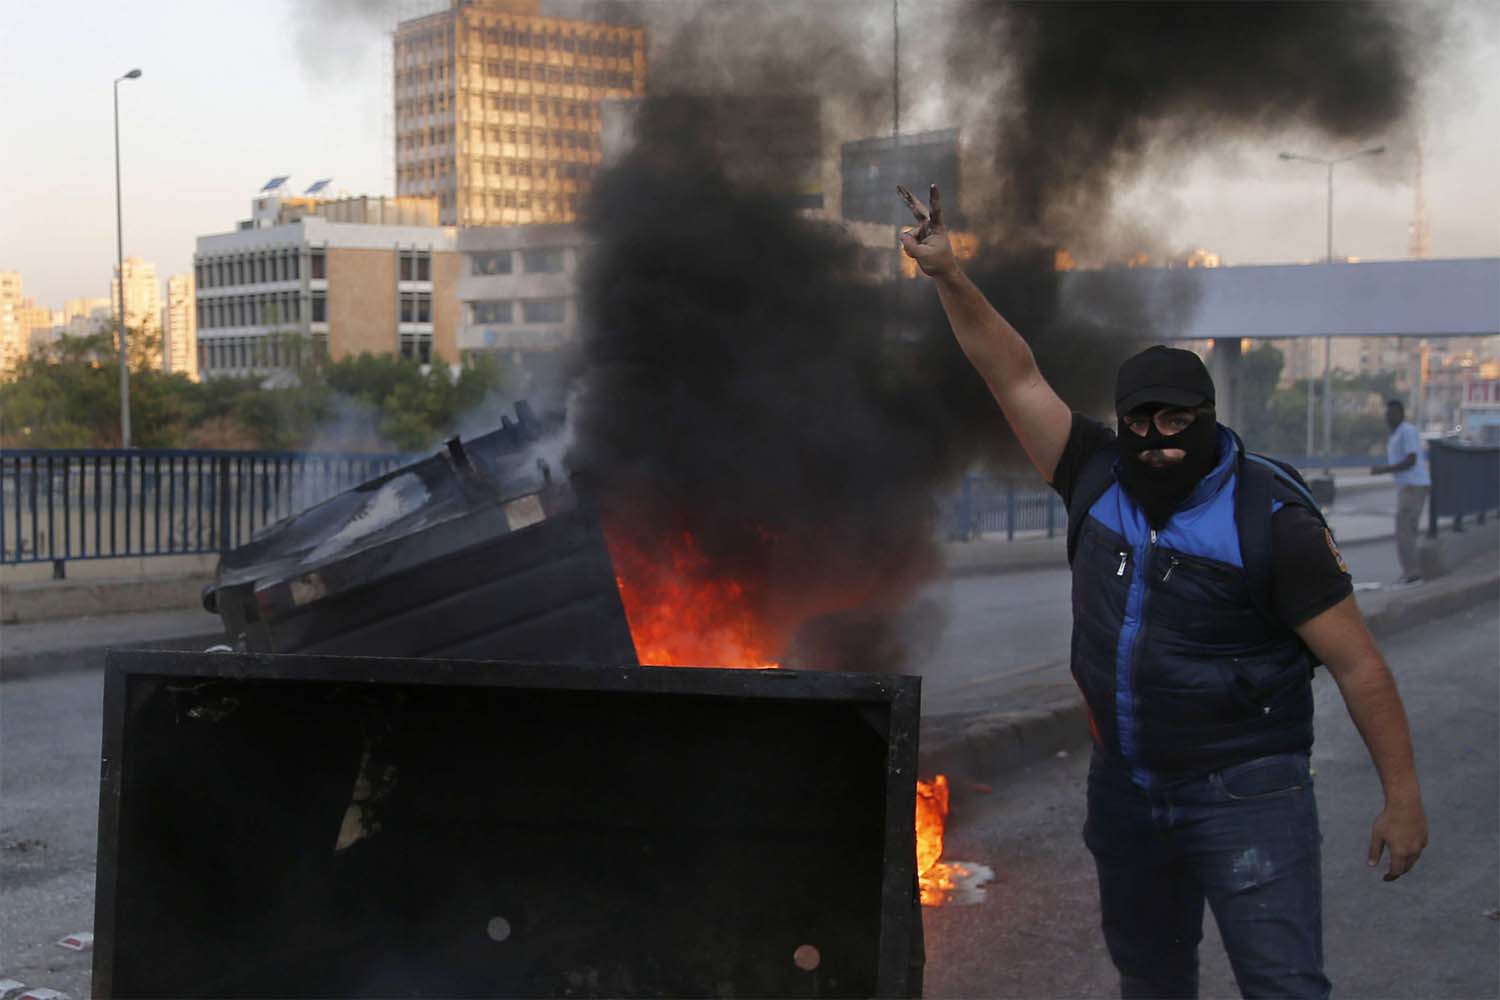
x: 519, y: 292
x: 265, y: 292
x: 497, y: 108
x: 180, y: 327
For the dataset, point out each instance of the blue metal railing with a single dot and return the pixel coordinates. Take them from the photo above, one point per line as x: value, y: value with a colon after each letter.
x: 62, y: 505
x: 1465, y: 480
x: 986, y: 506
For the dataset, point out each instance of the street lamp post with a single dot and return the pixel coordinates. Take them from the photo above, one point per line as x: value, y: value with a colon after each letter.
x: 120, y: 276
x: 1327, y: 341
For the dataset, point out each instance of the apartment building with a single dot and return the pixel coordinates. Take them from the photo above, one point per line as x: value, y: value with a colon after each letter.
x: 497, y: 108
x: 518, y: 292
x: 265, y: 293
x: 14, y: 332
x: 23, y: 324
x: 180, y: 327
x: 142, y: 305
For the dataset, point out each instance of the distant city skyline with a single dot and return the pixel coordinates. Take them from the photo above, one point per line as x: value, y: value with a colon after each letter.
x: 229, y: 97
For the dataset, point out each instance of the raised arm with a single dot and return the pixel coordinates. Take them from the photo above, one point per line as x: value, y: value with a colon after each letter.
x: 1041, y: 420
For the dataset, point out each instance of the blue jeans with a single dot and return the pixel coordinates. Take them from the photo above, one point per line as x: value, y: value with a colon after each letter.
x: 1246, y: 840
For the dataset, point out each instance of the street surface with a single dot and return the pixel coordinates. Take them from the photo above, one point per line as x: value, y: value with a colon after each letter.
x: 1426, y: 935
x: 1035, y: 934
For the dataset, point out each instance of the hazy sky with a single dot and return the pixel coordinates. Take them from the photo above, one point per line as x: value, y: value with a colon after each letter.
x: 235, y: 92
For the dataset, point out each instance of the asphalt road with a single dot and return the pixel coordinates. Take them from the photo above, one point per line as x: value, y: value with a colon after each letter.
x: 1034, y: 935
x: 49, y: 766
x: 1426, y: 935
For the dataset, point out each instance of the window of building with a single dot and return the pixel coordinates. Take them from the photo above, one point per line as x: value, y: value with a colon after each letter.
x: 490, y: 263
x: 416, y: 265
x: 317, y: 264
x: 544, y: 310
x: 492, y: 311
x: 319, y: 307
x: 548, y: 260
x: 417, y: 347
x: 416, y: 307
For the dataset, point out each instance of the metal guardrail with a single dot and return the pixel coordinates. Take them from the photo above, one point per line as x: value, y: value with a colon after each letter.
x: 1465, y: 480
x: 985, y: 506
x: 61, y: 505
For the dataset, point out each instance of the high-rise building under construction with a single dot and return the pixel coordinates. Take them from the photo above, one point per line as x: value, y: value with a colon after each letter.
x: 498, y: 108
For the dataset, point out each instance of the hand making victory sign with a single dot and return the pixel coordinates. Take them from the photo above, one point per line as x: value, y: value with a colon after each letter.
x: 928, y: 244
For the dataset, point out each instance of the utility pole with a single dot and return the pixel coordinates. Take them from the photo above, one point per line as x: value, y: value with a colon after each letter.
x: 1327, y: 341
x: 896, y: 114
x: 120, y: 276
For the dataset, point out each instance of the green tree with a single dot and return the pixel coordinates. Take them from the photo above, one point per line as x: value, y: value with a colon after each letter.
x: 1260, y: 371
x: 68, y: 397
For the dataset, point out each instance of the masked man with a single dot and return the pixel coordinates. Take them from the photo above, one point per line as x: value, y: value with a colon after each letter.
x: 1205, y: 588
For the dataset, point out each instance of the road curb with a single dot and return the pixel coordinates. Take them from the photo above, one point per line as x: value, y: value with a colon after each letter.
x: 46, y: 663
x: 975, y: 749
x: 52, y: 600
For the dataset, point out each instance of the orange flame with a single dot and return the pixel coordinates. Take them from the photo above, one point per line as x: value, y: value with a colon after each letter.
x: 681, y: 614
x: 935, y: 877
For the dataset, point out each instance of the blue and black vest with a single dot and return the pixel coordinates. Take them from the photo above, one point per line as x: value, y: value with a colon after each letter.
x: 1183, y: 668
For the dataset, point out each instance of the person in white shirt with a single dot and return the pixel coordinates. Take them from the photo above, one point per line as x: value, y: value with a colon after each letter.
x: 1407, y: 460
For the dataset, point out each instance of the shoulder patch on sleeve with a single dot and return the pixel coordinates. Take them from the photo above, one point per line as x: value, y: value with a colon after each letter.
x: 1337, y: 556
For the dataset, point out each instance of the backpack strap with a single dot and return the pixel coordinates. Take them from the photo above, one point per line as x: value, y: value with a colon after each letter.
x: 1261, y: 479
x: 1096, y: 476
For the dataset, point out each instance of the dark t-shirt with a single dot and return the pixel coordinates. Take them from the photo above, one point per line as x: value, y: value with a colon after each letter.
x: 1308, y: 575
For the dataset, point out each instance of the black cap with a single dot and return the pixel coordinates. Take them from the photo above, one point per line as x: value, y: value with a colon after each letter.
x: 1159, y: 374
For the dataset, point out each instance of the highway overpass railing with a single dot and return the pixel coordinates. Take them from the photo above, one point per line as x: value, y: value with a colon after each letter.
x: 58, y: 505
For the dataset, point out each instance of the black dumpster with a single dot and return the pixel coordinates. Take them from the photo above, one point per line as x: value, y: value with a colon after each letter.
x: 276, y: 826
x: 482, y: 551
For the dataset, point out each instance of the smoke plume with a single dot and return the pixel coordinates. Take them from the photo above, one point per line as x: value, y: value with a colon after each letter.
x: 1090, y: 92
x: 742, y: 386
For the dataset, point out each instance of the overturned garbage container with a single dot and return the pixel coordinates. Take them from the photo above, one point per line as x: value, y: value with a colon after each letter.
x: 276, y: 826
x: 484, y: 550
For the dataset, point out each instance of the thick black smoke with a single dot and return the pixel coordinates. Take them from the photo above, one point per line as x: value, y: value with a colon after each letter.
x: 741, y: 383
x: 740, y: 387
x: 1091, y: 90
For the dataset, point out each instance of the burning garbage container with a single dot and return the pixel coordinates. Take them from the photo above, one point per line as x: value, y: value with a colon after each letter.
x: 482, y: 551
x: 275, y: 826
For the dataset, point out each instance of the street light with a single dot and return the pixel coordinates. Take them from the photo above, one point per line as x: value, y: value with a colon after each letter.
x: 120, y: 275
x: 1327, y: 341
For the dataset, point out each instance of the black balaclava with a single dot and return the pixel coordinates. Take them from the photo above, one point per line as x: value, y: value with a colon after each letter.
x: 1159, y: 492
x: 1160, y: 378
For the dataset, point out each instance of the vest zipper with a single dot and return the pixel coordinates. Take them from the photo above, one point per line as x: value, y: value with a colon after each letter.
x: 1171, y: 566
x: 1132, y: 754
x: 1124, y: 557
